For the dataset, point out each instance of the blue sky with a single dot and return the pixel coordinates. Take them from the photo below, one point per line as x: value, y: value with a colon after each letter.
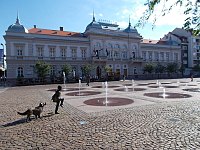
x: 75, y: 15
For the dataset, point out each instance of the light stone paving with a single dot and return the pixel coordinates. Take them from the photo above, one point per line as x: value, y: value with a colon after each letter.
x: 147, y: 124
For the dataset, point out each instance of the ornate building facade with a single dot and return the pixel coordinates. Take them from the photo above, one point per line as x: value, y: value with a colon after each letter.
x: 101, y: 44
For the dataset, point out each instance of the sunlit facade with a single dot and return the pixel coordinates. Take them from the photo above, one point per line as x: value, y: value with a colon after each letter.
x: 101, y: 44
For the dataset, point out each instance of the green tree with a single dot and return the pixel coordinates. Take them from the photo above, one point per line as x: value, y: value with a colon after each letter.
x: 159, y: 69
x: 182, y: 69
x: 67, y: 69
x: 191, y: 10
x: 86, y: 69
x: 148, y: 68
x: 171, y: 68
x: 42, y: 69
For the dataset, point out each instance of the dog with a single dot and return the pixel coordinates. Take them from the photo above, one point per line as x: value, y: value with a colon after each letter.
x: 36, y: 112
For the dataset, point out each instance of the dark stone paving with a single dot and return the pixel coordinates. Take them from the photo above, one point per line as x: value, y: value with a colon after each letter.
x: 164, y: 125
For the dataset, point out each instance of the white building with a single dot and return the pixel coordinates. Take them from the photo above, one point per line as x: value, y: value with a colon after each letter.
x: 190, y: 46
x: 101, y: 44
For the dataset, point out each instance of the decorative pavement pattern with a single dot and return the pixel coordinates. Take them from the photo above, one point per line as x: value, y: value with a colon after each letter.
x: 149, y: 123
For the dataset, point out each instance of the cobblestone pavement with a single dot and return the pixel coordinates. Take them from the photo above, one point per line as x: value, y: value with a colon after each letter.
x: 147, y: 124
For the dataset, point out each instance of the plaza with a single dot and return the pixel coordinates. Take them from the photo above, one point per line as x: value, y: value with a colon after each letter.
x: 151, y: 121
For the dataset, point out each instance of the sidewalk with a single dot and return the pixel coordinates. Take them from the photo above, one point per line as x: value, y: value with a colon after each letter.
x: 148, y: 123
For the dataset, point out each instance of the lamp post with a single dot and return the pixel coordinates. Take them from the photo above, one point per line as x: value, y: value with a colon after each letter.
x: 3, y: 64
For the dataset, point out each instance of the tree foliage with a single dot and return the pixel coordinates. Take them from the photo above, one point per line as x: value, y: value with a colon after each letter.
x: 42, y: 69
x: 191, y: 11
x: 172, y: 68
x: 67, y: 69
x: 86, y: 69
x: 148, y: 68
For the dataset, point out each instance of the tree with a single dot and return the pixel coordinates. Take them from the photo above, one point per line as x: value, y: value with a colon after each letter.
x: 159, y: 69
x: 42, y: 69
x: 148, y: 68
x: 171, y: 68
x: 191, y: 11
x: 67, y: 69
x: 86, y: 69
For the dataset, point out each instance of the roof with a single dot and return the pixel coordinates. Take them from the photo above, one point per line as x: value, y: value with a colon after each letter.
x: 55, y: 32
x: 148, y: 41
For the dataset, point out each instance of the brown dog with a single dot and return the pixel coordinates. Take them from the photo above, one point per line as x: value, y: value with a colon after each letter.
x: 36, y: 112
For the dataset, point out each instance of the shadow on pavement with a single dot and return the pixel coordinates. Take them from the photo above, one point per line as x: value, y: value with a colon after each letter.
x: 23, y: 120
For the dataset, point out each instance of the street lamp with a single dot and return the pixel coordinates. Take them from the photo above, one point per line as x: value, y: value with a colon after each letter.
x: 3, y: 64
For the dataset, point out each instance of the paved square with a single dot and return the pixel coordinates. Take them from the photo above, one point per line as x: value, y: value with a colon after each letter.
x: 150, y: 122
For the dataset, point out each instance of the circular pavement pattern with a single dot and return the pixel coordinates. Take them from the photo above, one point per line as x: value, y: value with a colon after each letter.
x: 83, y: 93
x: 110, y: 86
x: 67, y: 89
x: 111, y: 101
x: 130, y: 89
x: 166, y: 86
x: 192, y: 90
x: 167, y: 95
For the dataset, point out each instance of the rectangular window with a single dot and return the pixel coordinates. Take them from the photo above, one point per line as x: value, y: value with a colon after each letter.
x: 52, y: 52
x: 167, y: 56
x: 124, y: 55
x: 162, y: 56
x: 63, y: 52
x: 74, y: 53
x: 176, y: 56
x: 156, y: 56
x: 40, y: 51
x: 150, y: 55
x: 144, y: 55
x: 83, y: 53
x: 19, y: 50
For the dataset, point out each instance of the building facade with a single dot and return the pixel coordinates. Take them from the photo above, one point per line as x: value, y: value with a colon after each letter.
x: 101, y: 44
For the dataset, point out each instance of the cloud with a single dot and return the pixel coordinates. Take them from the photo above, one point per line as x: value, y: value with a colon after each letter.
x: 175, y: 17
x: 122, y: 24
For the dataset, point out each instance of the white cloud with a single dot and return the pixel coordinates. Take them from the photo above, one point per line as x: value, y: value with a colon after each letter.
x: 123, y: 24
x: 100, y: 15
x: 174, y: 17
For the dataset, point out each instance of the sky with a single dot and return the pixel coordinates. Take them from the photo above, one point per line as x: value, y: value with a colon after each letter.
x: 75, y: 15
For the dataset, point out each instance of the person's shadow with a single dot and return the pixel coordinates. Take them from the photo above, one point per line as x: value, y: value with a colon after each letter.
x: 23, y: 120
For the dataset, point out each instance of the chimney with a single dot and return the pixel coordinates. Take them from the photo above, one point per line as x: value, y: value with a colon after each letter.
x: 35, y: 26
x: 61, y: 28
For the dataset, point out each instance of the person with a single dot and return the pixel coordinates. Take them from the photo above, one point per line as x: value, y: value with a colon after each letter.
x: 191, y: 76
x: 58, y: 99
x: 88, y: 80
x: 124, y: 77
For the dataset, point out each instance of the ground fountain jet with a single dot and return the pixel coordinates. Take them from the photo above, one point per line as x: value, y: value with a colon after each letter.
x: 106, y: 90
x: 164, y: 95
x: 79, y: 87
x: 133, y: 84
x: 126, y: 89
x: 64, y: 78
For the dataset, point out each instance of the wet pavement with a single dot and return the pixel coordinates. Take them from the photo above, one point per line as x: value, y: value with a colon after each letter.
x: 149, y: 123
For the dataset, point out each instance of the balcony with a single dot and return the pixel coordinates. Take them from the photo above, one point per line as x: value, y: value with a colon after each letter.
x: 139, y: 59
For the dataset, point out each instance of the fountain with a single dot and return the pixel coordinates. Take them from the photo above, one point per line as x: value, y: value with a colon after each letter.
x: 159, y: 84
x: 126, y: 89
x: 64, y: 78
x: 79, y: 86
x: 178, y: 82
x: 133, y: 84
x: 164, y: 93
x: 106, y: 89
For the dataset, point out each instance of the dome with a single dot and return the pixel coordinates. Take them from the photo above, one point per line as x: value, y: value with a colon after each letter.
x: 130, y: 29
x: 93, y: 24
x: 17, y: 27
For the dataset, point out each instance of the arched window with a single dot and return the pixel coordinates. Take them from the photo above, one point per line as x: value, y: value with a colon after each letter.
x: 110, y: 46
x: 20, y: 72
x: 98, y: 45
x: 117, y: 46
